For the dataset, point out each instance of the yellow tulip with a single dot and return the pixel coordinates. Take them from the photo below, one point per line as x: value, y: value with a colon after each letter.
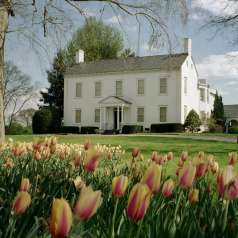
x: 187, y: 175
x: 168, y: 188
x: 21, y: 202
x: 193, y: 196
x: 119, y: 185
x: 25, y: 185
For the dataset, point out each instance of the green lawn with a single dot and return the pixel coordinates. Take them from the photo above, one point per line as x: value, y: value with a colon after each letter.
x: 147, y: 144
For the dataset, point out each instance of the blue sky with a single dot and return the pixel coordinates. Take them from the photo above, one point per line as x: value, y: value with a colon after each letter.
x: 216, y: 58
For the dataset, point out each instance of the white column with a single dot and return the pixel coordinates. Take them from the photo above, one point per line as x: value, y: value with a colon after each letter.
x: 118, y: 118
x: 122, y: 114
x: 100, y: 120
x: 104, y: 118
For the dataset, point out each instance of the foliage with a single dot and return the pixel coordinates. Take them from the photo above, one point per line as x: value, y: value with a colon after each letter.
x: 166, y: 127
x: 130, y: 129
x: 192, y: 121
x: 218, y: 108
x: 52, y: 172
x: 214, y: 127
x: 70, y: 129
x: 89, y: 130
x: 42, y: 121
x: 17, y: 129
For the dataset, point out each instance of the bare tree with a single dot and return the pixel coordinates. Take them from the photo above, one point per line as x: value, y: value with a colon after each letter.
x: 51, y: 16
x: 25, y: 116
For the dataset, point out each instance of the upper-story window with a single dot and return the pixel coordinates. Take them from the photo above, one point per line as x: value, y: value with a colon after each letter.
x: 119, y: 88
x: 202, y: 94
x: 163, y: 87
x: 97, y: 115
x: 98, y: 89
x: 140, y: 114
x: 163, y: 114
x: 185, y: 85
x: 78, y: 116
x: 78, y: 90
x: 141, y: 87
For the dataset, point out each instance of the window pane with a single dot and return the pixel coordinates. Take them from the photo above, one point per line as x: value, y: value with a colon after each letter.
x: 163, y: 85
x: 118, y: 88
x: 78, y: 116
x: 185, y: 85
x: 78, y: 89
x: 97, y: 89
x: 140, y: 114
x: 163, y: 114
x: 202, y: 94
x: 97, y: 115
x: 141, y: 85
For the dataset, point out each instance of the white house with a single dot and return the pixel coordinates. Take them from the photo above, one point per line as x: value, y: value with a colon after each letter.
x: 135, y: 91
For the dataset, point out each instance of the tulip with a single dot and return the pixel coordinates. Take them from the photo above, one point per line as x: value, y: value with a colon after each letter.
x: 138, y: 202
x: 78, y: 183
x: 152, y: 177
x: 88, y: 203
x: 61, y: 218
x: 186, y: 176
x: 21, y: 202
x: 232, y: 189
x: 170, y: 156
x: 168, y: 188
x: 215, y: 167
x: 91, y: 161
x: 193, y: 196
x: 135, y: 152
x: 87, y: 145
x: 201, y: 169
x: 119, y: 185
x: 184, y: 156
x: 232, y: 158
x: 154, y: 156
x: 25, y: 185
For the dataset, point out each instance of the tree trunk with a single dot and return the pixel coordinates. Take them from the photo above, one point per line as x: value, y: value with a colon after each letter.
x: 4, y: 9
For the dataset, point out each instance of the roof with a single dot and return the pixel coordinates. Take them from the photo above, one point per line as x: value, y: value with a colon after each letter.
x: 231, y: 111
x: 114, y: 100
x: 158, y: 62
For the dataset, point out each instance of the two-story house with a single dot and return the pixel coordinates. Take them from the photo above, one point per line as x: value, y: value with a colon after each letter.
x: 135, y: 91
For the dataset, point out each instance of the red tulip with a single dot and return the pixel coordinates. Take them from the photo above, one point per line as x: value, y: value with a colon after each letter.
x: 138, y: 202
x: 61, y: 218
x: 168, y: 188
x: 231, y: 192
x: 187, y: 175
x: 201, y: 169
x: 91, y: 161
x: 21, y: 202
x: 119, y: 185
x: 135, y: 152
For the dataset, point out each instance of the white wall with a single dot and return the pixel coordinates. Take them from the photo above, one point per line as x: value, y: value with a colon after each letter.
x: 150, y: 101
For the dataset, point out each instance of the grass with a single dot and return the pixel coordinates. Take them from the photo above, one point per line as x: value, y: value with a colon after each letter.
x: 147, y: 144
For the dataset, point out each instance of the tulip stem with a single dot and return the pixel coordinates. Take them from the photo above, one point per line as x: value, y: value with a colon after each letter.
x: 177, y: 206
x: 139, y: 229
x: 112, y: 233
x: 225, y: 216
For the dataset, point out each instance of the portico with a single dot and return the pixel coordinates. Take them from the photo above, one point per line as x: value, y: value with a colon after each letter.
x: 112, y: 112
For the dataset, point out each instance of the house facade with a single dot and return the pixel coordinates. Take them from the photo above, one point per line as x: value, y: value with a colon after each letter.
x: 135, y: 91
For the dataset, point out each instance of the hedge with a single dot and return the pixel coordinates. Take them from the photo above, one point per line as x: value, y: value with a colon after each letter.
x: 89, y: 130
x: 233, y: 130
x: 167, y: 127
x: 131, y: 129
x: 41, y: 121
x: 70, y: 129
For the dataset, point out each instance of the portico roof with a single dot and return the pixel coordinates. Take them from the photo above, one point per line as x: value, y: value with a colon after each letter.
x: 114, y: 100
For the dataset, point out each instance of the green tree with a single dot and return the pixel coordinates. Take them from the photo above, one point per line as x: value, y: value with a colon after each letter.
x: 192, y: 121
x: 218, y: 108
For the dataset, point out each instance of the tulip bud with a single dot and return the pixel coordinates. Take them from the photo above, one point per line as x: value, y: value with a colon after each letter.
x: 88, y: 203
x: 154, y: 156
x: 152, y: 177
x: 21, y: 202
x: 37, y: 155
x: 87, y: 145
x: 25, y: 185
x: 78, y: 183
x: 232, y: 158
x: 135, y: 152
x: 184, y: 156
x: 215, y: 167
x: 170, y: 156
x: 168, y: 188
x: 91, y: 161
x: 61, y: 218
x: 186, y: 176
x: 119, y: 185
x: 193, y: 196
x: 138, y: 202
x: 231, y: 192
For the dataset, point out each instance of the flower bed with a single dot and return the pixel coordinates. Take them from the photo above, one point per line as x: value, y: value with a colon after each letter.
x: 74, y: 190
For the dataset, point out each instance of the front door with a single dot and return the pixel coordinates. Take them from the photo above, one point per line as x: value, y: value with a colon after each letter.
x: 115, y: 117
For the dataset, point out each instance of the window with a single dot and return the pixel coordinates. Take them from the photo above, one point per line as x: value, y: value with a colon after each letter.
x: 202, y: 94
x: 163, y: 86
x: 78, y: 116
x: 185, y: 111
x: 97, y: 115
x: 118, y: 88
x: 98, y: 89
x: 140, y: 87
x: 185, y: 85
x: 140, y: 114
x: 78, y: 89
x: 163, y: 114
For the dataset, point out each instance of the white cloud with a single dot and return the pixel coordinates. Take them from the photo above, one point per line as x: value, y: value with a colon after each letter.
x: 214, y: 7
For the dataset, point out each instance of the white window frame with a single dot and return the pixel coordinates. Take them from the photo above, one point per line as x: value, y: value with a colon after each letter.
x: 75, y: 115
x: 137, y: 115
x: 116, y: 94
x: 163, y: 93
x: 100, y: 89
x: 81, y: 89
x: 95, y: 115
x: 166, y: 116
x: 140, y: 94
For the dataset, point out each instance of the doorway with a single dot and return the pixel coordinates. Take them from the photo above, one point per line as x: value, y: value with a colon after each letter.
x: 115, y: 112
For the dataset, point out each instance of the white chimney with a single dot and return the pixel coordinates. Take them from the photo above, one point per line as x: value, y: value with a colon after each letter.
x: 188, y: 46
x: 79, y: 57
